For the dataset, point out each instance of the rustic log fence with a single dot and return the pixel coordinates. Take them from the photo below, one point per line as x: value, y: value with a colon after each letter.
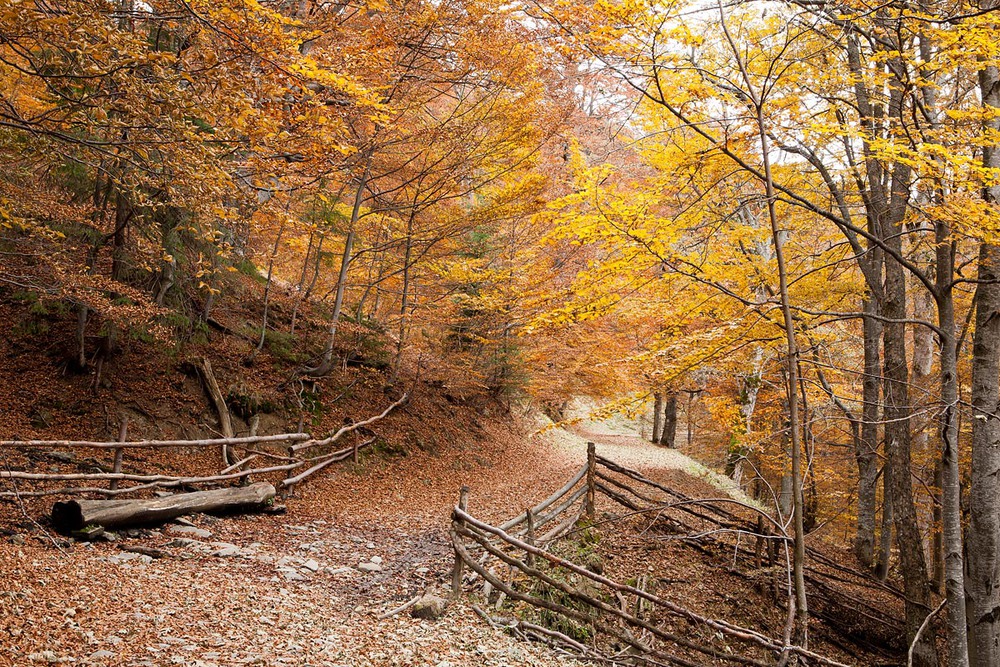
x: 518, y: 560
x: 303, y: 451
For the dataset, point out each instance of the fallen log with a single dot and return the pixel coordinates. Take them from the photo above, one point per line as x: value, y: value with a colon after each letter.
x: 75, y: 514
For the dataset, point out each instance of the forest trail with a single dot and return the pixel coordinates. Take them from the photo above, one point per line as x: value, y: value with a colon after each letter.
x: 306, y: 588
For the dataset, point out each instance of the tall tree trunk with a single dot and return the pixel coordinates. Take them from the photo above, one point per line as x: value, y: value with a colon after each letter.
x: 983, y: 537
x: 983, y: 540
x: 897, y: 437
x: 866, y: 453
x: 951, y: 494
x: 668, y: 435
x: 924, y: 421
x: 791, y: 357
x: 657, y: 417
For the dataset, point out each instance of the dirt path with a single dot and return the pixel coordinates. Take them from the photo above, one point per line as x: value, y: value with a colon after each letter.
x: 291, y: 590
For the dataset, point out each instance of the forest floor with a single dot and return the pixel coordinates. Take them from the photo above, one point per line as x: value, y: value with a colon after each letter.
x: 287, y: 590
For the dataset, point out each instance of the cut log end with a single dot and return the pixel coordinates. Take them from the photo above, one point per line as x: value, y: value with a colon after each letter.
x: 67, y: 517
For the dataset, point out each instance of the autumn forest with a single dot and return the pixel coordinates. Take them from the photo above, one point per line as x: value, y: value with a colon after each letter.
x: 763, y: 233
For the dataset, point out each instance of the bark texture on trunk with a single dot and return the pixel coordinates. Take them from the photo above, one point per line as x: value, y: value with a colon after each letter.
x: 118, y: 252
x: 657, y: 417
x: 897, y: 437
x: 866, y: 453
x: 983, y: 541
x: 345, y: 263
x: 983, y: 538
x: 668, y: 435
x: 948, y: 536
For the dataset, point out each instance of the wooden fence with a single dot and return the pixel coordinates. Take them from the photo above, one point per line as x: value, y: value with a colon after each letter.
x: 517, y: 561
x: 305, y: 456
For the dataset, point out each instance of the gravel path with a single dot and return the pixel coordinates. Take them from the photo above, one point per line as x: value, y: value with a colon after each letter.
x: 303, y: 589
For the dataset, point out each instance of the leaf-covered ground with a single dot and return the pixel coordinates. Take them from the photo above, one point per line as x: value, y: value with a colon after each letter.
x: 277, y: 590
x: 306, y: 588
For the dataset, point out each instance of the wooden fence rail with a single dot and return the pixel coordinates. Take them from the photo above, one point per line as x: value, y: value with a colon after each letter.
x: 515, y: 562
x: 299, y: 447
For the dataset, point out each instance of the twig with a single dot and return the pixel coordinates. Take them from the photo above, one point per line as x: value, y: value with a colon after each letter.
x: 920, y: 632
x: 401, y: 608
x: 24, y: 511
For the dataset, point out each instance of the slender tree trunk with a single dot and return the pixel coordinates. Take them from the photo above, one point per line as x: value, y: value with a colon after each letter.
x: 345, y: 262
x: 267, y: 294
x: 688, y: 416
x: 792, y: 364
x: 983, y: 541
x: 302, y: 282
x: 405, y: 300
x: 668, y: 435
x: 81, y: 336
x: 657, y: 417
x: 317, y: 264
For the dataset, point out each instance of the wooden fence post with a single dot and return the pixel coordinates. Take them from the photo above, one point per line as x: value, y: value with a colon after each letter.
x: 591, y: 469
x: 289, y: 489
x: 117, y: 467
x: 456, y: 573
x: 530, y: 535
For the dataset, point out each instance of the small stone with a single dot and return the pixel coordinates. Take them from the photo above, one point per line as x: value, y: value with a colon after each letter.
x: 183, y: 542
x: 189, y: 531
x: 88, y: 533
x: 225, y: 550
x: 430, y: 607
x: 369, y: 567
x: 292, y: 575
x: 128, y: 556
x: 376, y: 559
x: 370, y: 545
x: 49, y: 657
x: 311, y: 565
x: 337, y: 571
x: 101, y: 655
x: 17, y: 539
